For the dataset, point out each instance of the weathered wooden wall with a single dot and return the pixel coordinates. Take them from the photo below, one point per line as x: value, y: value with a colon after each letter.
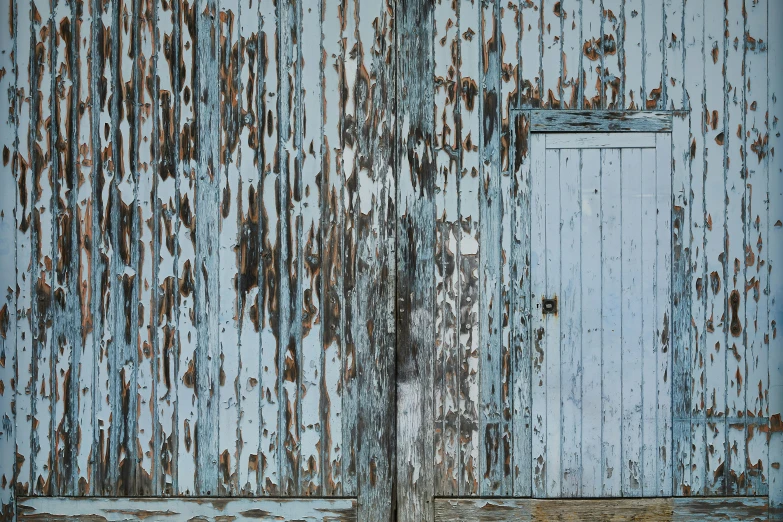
x: 197, y: 235
x: 717, y: 64
x: 206, y: 207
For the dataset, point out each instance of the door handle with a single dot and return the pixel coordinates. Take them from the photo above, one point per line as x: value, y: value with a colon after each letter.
x: 549, y: 305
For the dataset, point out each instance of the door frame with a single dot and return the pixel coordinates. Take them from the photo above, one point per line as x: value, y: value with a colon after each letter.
x: 567, y: 463
x: 527, y: 122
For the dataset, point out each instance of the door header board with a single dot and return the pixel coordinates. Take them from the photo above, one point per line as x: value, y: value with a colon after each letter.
x: 600, y: 121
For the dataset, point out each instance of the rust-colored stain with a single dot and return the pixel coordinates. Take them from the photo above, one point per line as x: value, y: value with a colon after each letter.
x: 249, y: 245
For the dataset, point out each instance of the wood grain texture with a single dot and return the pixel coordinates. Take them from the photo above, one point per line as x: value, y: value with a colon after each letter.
x: 494, y: 438
x: 206, y: 509
x: 9, y: 174
x: 81, y: 398
x: 666, y: 509
x: 164, y: 248
x: 633, y: 88
x: 216, y: 202
x: 447, y: 252
x: 603, y: 121
x: 150, y: 355
x: 715, y: 255
x: 373, y: 314
x: 521, y: 302
x: 332, y: 261
x: 616, y: 198
x: 267, y: 315
x: 734, y: 278
x: 757, y: 226
x: 775, y: 246
x: 416, y: 266
x: 349, y: 167
x: 23, y: 258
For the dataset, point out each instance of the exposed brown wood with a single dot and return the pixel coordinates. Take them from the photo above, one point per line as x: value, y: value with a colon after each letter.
x: 603, y: 121
x: 236, y: 233
x: 616, y: 510
x: 416, y: 265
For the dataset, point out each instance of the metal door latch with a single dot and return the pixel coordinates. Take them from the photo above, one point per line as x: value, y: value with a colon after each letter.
x: 549, y: 305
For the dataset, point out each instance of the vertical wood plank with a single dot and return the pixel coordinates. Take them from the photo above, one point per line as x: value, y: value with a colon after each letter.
x: 714, y: 239
x: 63, y: 327
x: 689, y: 472
x: 572, y: 53
x: 675, y: 363
x: 166, y: 208
x: 207, y: 284
x: 287, y: 244
x: 631, y: 277
x: 551, y: 53
x: 775, y: 245
x: 9, y: 171
x: 673, y: 37
x: 509, y: 75
x: 508, y: 21
x: 124, y: 262
x: 653, y: 55
x: 104, y: 249
x: 684, y: 329
x: 522, y: 307
x: 23, y: 336
x: 756, y: 142
x: 590, y: 303
x: 613, y: 21
x: 375, y: 269
x: 416, y: 259
x: 648, y: 284
x: 294, y: 356
x: 146, y: 161
x: 269, y: 307
x: 530, y: 40
x: 229, y: 241
x: 611, y: 335
x: 85, y: 159
x: 41, y: 238
x: 734, y: 278
x: 591, y: 54
x: 332, y: 280
x: 555, y: 167
x: 446, y: 368
x: 470, y: 223
x: 332, y: 258
x: 311, y: 118
x: 508, y: 31
x: 492, y: 442
x: 663, y: 315
x: 187, y: 399
x: 633, y: 54
x: 570, y: 317
x: 348, y: 144
x: 538, y: 291
x: 250, y: 300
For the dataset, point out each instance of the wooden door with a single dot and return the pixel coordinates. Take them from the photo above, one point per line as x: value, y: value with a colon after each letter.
x: 600, y: 279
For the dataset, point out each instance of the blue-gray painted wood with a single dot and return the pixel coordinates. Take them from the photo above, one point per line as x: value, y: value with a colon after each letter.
x: 416, y: 264
x: 603, y: 121
x: 121, y: 228
x: 57, y: 509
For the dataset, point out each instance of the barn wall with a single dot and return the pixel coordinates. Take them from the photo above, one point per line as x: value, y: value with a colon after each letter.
x: 199, y: 206
x: 713, y: 63
x: 197, y: 228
